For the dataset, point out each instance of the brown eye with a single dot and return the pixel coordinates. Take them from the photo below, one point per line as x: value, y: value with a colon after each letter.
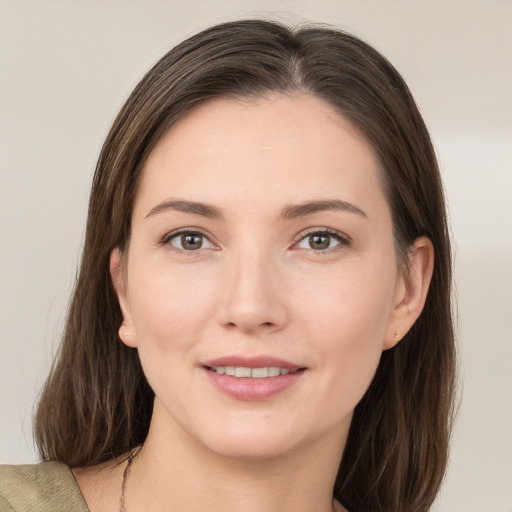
x: 190, y: 241
x: 321, y: 241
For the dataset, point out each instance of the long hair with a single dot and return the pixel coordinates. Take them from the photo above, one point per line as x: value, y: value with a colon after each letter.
x: 97, y: 404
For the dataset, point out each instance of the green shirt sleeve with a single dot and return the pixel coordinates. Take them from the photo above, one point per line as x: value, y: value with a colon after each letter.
x: 44, y: 487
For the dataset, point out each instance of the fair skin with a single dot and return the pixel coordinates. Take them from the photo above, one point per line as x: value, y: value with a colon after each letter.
x: 261, y: 237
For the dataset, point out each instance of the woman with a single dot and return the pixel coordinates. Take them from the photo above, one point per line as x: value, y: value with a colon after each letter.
x: 262, y: 316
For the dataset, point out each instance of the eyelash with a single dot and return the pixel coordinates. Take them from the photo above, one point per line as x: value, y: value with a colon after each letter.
x: 166, y: 240
x: 343, y: 240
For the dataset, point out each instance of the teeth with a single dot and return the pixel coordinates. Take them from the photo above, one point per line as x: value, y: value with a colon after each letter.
x: 255, y: 373
x: 259, y: 373
x: 240, y: 371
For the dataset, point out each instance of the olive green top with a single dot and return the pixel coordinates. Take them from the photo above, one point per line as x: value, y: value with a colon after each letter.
x: 44, y: 487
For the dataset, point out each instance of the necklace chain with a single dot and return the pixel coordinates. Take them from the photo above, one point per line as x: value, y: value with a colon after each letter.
x: 122, y: 501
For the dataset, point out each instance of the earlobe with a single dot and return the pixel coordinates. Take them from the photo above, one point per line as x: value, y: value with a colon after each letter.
x: 411, y: 291
x: 127, y: 335
x: 127, y: 332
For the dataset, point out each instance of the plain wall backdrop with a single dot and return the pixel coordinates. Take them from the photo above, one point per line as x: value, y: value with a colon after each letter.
x: 66, y: 68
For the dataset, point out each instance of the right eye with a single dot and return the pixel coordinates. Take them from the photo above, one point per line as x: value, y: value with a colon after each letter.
x: 189, y: 241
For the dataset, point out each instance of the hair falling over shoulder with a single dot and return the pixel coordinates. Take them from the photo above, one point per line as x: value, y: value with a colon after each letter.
x: 97, y: 405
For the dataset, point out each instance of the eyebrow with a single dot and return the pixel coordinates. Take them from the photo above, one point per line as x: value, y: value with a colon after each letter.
x: 206, y: 210
x: 289, y: 212
x: 310, y: 207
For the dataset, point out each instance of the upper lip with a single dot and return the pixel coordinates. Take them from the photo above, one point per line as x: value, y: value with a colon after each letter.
x: 252, y: 362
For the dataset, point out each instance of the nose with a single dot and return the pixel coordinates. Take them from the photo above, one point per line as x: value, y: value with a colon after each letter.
x: 253, y: 296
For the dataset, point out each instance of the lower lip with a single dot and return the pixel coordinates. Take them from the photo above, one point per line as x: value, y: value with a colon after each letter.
x: 245, y: 388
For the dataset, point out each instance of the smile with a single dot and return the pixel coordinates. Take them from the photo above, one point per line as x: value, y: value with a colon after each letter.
x: 251, y: 373
x: 253, y: 378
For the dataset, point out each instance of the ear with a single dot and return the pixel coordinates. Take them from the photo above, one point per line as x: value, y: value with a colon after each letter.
x: 127, y: 331
x: 411, y: 291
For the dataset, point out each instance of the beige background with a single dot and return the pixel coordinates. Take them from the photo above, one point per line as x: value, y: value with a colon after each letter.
x: 67, y: 66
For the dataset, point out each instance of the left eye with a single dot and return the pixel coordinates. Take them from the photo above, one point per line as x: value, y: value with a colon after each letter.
x: 190, y: 241
x: 320, y: 241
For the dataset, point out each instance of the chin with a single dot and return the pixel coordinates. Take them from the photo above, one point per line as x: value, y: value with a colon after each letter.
x: 259, y: 438
x: 250, y: 447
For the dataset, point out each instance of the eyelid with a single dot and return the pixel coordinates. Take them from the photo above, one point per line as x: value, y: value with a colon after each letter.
x: 166, y: 239
x: 342, y: 238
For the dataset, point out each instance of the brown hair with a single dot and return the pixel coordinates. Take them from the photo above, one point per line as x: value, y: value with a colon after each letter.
x: 97, y: 404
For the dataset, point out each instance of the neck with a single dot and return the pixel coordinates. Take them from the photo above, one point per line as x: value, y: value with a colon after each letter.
x: 175, y: 472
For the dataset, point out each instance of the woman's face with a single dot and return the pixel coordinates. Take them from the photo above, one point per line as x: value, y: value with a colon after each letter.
x: 261, y: 245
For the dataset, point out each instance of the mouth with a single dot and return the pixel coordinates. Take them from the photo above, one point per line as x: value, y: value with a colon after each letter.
x: 246, y: 372
x: 253, y: 378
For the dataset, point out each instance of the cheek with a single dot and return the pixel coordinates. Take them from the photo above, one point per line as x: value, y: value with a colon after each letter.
x: 170, y: 311
x: 355, y: 304
x: 168, y: 308
x: 346, y: 320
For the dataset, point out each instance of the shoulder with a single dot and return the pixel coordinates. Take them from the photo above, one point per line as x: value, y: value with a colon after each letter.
x: 48, y: 486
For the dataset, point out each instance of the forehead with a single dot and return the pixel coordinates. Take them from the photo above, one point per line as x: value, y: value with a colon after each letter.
x: 283, y: 147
